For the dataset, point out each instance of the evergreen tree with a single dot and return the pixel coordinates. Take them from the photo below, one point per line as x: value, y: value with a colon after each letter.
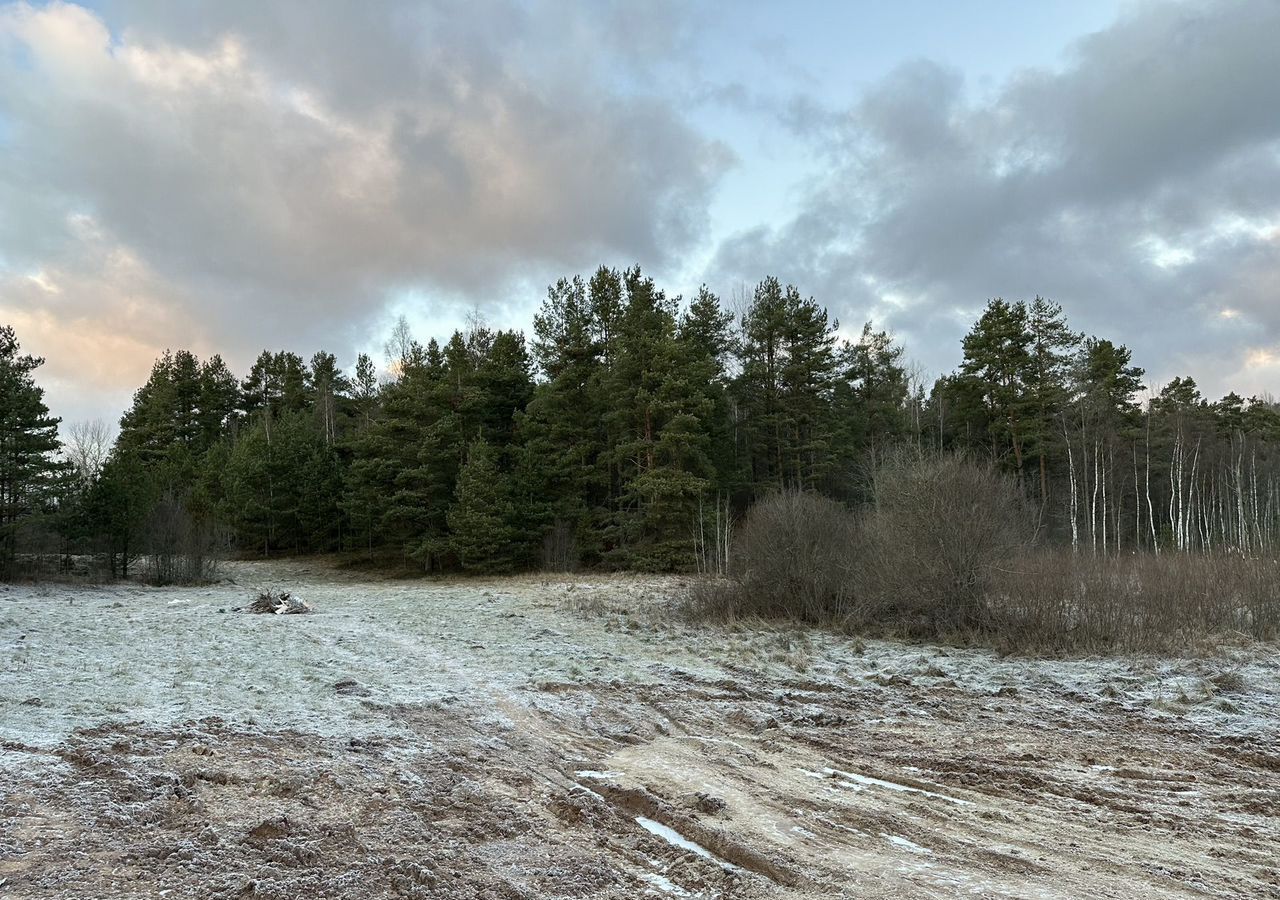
x: 504, y: 379
x: 118, y: 505
x: 219, y: 397
x: 997, y: 355
x: 364, y: 391
x: 1101, y: 428
x: 282, y: 486
x: 329, y: 385
x: 869, y: 406
x: 957, y: 413
x: 384, y: 494
x: 482, y: 533
x: 1051, y: 351
x: 705, y: 347
x: 181, y: 411
x: 563, y: 480
x: 785, y: 388
x: 277, y: 383
x: 625, y: 419
x: 659, y: 444
x: 31, y: 476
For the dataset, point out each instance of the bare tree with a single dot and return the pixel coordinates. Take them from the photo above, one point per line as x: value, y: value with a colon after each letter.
x: 86, y: 446
x: 399, y: 348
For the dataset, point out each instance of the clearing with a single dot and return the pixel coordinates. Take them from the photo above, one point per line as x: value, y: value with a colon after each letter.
x: 535, y: 737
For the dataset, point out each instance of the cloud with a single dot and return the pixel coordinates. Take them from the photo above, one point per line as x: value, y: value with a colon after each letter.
x: 1138, y: 183
x: 246, y: 175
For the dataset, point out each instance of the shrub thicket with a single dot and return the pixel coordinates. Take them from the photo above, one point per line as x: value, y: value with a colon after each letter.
x: 1057, y: 600
x: 793, y: 558
x: 948, y: 548
x: 939, y: 529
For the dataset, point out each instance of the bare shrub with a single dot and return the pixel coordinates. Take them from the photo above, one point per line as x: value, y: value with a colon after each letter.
x: 1056, y: 600
x: 716, y: 599
x: 940, y: 528
x: 792, y: 558
x: 181, y: 549
x: 560, y: 548
x: 1229, y: 682
x: 949, y: 548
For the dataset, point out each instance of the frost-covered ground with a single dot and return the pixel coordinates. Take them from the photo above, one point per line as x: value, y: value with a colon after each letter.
x: 532, y: 738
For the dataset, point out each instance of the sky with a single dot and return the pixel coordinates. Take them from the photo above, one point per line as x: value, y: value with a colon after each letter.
x: 228, y: 176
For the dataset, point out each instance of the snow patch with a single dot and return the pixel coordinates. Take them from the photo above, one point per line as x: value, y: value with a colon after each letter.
x: 664, y: 884
x: 675, y: 838
x: 905, y: 844
x: 891, y: 785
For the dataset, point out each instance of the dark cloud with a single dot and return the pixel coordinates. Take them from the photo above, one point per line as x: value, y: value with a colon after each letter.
x: 1138, y: 184
x: 274, y: 173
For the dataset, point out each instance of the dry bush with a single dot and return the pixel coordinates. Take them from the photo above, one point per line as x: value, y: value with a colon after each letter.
x: 792, y: 558
x: 181, y: 548
x: 940, y: 529
x: 560, y: 548
x: 948, y: 549
x: 1057, y: 600
x: 713, y: 598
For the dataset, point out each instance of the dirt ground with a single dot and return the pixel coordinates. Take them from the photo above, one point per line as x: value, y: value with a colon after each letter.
x: 572, y: 738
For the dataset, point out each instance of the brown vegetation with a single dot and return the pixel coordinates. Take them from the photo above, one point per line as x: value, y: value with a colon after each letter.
x: 277, y: 604
x: 794, y: 556
x: 1058, y: 600
x: 939, y: 529
x: 182, y: 549
x: 948, y: 549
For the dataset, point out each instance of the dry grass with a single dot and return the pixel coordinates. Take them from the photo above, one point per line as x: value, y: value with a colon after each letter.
x: 1055, y: 600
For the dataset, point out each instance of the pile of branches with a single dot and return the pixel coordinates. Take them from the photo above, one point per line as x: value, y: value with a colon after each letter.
x: 278, y: 604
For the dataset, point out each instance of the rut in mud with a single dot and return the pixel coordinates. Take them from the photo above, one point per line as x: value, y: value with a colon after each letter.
x: 530, y: 738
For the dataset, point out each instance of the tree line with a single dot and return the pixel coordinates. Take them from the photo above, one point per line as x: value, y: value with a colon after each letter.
x: 628, y: 431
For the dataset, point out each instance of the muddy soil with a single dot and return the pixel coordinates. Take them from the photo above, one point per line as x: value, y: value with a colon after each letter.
x: 529, y: 738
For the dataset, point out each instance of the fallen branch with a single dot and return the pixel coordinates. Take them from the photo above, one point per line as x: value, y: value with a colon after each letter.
x: 278, y: 604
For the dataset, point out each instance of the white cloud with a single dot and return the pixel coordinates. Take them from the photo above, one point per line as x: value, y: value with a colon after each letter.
x: 257, y: 190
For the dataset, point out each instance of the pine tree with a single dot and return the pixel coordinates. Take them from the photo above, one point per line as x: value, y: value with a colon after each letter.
x: 364, y: 391
x: 705, y: 347
x: 282, y: 493
x: 1051, y: 351
x: 759, y: 388
x: 659, y: 444
x: 31, y: 476
x: 329, y: 385
x: 183, y: 409
x: 481, y: 519
x: 384, y: 495
x: 219, y: 397
x: 1101, y: 427
x: 997, y: 355
x: 869, y: 406
x: 808, y: 377
x: 564, y: 481
x: 119, y: 503
x: 278, y: 382
x: 958, y: 414
x: 785, y: 388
